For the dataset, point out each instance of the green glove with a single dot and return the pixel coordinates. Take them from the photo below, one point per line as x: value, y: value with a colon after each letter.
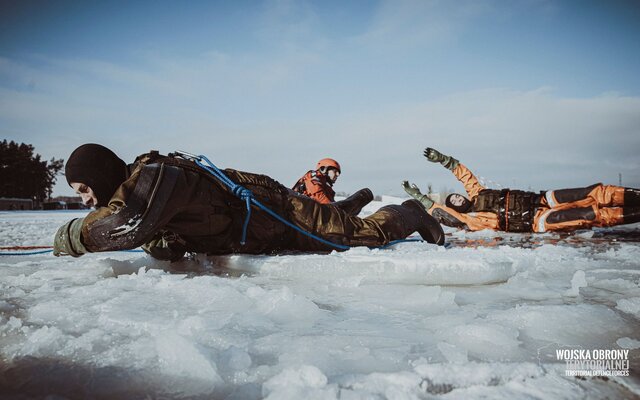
x: 68, y: 239
x: 415, y: 192
x: 434, y: 155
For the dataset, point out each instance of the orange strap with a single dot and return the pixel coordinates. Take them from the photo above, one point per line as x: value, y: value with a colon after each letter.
x: 506, y: 213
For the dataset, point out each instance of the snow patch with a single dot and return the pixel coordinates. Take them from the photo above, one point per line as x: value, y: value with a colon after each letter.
x: 178, y: 356
x: 481, y: 319
x: 628, y: 343
x: 303, y: 382
x: 630, y: 306
x: 577, y: 282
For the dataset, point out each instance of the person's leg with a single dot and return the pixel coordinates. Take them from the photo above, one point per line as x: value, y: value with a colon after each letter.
x: 414, y: 218
x: 353, y: 204
x: 564, y: 219
x: 585, y: 217
x: 630, y: 215
x: 631, y: 197
x: 611, y: 216
x: 598, y: 194
x: 387, y: 224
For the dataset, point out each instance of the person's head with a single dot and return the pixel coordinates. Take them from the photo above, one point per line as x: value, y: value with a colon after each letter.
x: 329, y: 168
x: 458, y: 202
x: 95, y: 173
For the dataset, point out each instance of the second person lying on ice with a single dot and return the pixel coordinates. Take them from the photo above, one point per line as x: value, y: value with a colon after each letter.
x: 523, y: 211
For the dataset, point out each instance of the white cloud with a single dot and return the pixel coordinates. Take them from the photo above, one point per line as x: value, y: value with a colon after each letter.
x: 407, y: 24
x: 217, y: 105
x: 528, y: 138
x: 414, y: 25
x: 290, y: 26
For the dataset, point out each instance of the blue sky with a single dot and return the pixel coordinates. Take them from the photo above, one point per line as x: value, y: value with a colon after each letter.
x: 531, y: 94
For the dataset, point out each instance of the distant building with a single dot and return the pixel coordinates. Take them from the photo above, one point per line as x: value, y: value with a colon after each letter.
x: 54, y: 205
x: 11, y: 203
x: 76, y: 205
x: 72, y: 202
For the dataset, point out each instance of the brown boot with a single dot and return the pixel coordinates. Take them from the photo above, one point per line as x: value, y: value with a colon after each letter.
x: 425, y: 224
x: 353, y: 204
x: 400, y: 221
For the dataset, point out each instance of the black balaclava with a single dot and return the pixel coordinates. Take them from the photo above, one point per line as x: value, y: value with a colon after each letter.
x: 97, y: 167
x: 463, y: 208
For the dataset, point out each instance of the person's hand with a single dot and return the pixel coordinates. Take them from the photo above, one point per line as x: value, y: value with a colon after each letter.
x: 414, y: 191
x: 411, y: 189
x: 67, y: 240
x: 433, y: 155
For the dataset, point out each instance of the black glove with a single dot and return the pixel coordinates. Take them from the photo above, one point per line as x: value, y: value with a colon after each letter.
x: 68, y: 239
x: 434, y: 155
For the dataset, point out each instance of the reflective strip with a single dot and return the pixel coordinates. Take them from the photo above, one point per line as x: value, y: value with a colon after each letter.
x: 550, y: 199
x: 540, y: 227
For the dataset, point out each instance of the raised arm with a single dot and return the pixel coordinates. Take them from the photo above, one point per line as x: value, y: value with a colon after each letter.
x: 450, y: 217
x: 462, y: 173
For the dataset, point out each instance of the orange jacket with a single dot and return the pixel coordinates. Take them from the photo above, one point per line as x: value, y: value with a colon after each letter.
x: 468, y: 180
x: 314, y: 184
x: 474, y: 221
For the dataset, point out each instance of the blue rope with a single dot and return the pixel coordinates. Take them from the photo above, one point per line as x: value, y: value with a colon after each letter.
x: 246, y: 195
x: 311, y: 235
x: 237, y: 190
x: 25, y: 253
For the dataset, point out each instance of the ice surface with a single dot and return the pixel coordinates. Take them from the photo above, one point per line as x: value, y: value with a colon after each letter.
x: 631, y: 306
x: 480, y: 319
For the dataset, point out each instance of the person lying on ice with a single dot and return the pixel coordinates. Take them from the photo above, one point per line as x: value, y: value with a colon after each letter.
x: 318, y: 184
x: 520, y: 211
x: 170, y: 205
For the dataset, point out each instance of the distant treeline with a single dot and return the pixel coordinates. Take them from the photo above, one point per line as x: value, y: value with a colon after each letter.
x: 23, y: 174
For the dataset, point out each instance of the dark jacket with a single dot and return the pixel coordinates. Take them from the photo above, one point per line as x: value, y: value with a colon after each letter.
x: 170, y: 206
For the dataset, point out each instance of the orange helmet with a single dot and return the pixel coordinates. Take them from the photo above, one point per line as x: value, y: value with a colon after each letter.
x: 328, y: 163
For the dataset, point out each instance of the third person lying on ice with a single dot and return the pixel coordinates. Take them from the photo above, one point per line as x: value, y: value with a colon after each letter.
x: 523, y: 211
x: 318, y: 184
